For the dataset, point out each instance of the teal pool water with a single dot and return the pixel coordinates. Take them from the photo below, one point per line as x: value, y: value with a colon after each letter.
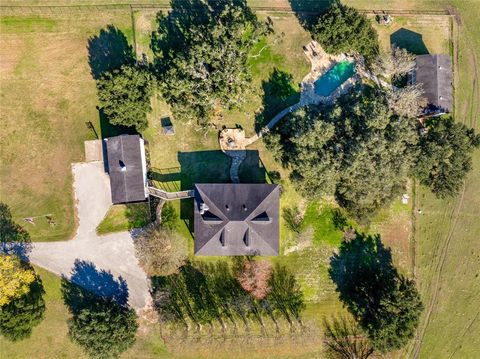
x: 334, y: 77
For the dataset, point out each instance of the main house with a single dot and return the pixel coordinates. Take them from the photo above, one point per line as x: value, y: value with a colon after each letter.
x: 229, y: 218
x: 236, y: 219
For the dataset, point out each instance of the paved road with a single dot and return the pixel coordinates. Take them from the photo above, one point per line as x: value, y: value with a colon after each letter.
x: 112, y: 253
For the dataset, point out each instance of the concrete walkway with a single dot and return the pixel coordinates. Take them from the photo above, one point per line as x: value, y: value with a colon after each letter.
x: 112, y: 253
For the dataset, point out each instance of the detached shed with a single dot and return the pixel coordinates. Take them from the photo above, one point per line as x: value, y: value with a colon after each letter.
x: 167, y: 126
x: 434, y: 72
x: 127, y: 168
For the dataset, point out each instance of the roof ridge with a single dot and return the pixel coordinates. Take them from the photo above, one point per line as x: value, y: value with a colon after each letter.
x: 250, y: 216
x: 213, y: 204
x: 260, y: 237
x: 211, y: 238
x: 124, y: 173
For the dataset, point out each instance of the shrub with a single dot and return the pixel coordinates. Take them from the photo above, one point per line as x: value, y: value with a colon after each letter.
x: 254, y: 278
x: 293, y: 219
x: 160, y: 252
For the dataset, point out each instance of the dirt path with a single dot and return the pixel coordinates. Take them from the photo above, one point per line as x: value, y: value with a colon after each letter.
x: 438, y: 275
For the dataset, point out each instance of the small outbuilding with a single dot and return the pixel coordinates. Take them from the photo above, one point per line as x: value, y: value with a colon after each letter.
x: 236, y: 219
x: 434, y: 72
x: 127, y: 167
x: 167, y: 126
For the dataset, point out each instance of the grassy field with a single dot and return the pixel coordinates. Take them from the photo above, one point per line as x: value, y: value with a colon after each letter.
x: 43, y: 118
x: 47, y: 95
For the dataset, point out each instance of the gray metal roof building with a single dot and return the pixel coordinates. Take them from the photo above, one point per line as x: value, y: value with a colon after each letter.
x: 434, y: 72
x: 236, y: 219
x: 127, y: 168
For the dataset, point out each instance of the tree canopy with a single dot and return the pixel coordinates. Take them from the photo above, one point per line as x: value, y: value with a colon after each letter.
x: 20, y: 316
x: 124, y: 95
x: 386, y: 304
x: 356, y: 149
x: 201, y: 50
x: 102, y: 322
x: 395, y: 62
x: 445, y: 155
x: 254, y: 278
x: 15, y: 278
x: 343, y: 29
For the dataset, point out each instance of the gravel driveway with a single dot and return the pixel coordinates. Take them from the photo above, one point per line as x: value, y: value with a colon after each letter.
x: 113, y: 253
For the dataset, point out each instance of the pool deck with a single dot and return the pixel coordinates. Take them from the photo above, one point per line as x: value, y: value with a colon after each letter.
x: 321, y: 63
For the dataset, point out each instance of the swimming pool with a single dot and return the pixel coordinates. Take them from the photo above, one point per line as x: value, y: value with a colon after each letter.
x: 333, y: 78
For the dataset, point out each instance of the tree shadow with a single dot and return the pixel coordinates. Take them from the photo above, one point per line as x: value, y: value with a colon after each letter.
x: 363, y: 272
x: 252, y: 169
x: 108, y: 50
x: 205, y: 167
x: 102, y: 322
x: 410, y: 40
x: 14, y: 239
x: 20, y: 249
x: 202, y: 293
x: 279, y: 92
x: 109, y: 130
x: 88, y: 285
x: 307, y: 11
x: 20, y: 316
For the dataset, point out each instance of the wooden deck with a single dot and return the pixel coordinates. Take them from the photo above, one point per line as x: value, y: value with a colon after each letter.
x: 170, y: 196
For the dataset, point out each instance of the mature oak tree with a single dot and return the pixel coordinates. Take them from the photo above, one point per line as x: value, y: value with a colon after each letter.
x: 386, y: 304
x: 445, y: 155
x: 124, y: 95
x: 357, y: 149
x: 102, y: 322
x: 343, y: 29
x: 201, y: 50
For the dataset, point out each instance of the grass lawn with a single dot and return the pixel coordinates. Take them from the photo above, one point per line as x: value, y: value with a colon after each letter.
x: 47, y: 95
x: 50, y: 338
x: 123, y: 217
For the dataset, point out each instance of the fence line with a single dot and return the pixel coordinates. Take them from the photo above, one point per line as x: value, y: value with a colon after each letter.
x: 64, y: 9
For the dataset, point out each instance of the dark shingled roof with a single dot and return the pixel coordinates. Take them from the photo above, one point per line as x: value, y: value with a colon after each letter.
x: 434, y: 72
x: 128, y: 185
x: 240, y: 219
